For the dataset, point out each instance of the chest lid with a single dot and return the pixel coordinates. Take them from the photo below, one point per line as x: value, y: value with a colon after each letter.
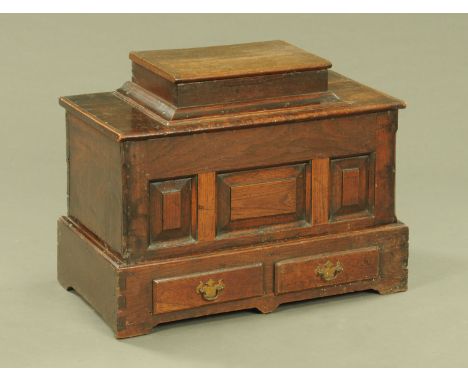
x: 184, y: 91
x: 228, y: 61
x: 230, y: 73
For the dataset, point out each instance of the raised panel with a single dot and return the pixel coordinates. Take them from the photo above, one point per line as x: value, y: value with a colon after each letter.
x: 171, y: 208
x: 255, y: 198
x: 172, y: 213
x: 352, y: 187
x: 351, y: 178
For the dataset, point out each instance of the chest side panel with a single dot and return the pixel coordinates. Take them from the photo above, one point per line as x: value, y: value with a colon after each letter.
x: 95, y: 185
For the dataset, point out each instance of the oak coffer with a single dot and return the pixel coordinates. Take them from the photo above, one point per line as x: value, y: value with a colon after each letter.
x: 227, y: 178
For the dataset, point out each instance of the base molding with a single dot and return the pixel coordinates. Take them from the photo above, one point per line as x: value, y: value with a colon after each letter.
x: 124, y: 295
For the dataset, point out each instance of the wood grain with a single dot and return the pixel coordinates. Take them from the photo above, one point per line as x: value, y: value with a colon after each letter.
x: 320, y: 190
x: 82, y: 266
x: 262, y: 197
x: 227, y: 61
x: 206, y: 206
x: 95, y: 181
x: 385, y: 169
x: 277, y: 197
x: 220, y: 92
x: 350, y: 183
x: 352, y: 187
x: 170, y: 209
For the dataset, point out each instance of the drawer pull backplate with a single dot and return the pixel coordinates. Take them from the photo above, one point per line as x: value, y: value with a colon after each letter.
x: 210, y: 290
x: 328, y: 271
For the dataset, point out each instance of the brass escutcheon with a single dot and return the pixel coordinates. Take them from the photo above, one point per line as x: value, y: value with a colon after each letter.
x: 210, y: 290
x: 328, y: 271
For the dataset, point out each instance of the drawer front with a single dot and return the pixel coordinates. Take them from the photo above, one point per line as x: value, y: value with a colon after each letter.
x: 199, y: 289
x: 315, y: 271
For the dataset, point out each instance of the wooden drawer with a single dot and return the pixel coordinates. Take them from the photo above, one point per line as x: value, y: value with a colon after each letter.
x: 326, y: 269
x: 198, y: 289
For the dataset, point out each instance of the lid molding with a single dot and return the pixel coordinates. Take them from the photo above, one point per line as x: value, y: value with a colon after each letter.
x: 170, y: 115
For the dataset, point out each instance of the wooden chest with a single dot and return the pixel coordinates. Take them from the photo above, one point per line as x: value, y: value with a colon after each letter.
x: 228, y: 178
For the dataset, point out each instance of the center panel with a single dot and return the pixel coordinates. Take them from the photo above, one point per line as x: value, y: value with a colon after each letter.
x: 253, y: 199
x: 265, y: 199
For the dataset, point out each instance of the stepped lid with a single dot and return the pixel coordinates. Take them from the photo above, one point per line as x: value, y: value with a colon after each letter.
x: 217, y: 75
x: 216, y: 88
x: 228, y: 61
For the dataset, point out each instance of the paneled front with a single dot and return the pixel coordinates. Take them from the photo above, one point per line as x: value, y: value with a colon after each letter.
x: 263, y: 197
x: 229, y: 190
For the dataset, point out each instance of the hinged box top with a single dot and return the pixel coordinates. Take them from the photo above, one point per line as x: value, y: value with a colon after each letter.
x: 218, y: 75
x: 216, y: 88
x: 228, y: 61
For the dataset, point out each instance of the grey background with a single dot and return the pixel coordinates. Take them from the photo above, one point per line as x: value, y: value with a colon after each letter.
x: 422, y: 59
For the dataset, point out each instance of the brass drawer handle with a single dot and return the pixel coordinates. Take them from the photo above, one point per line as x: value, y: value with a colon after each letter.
x: 328, y: 271
x: 210, y: 290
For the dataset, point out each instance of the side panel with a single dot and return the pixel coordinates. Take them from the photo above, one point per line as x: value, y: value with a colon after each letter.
x: 95, y: 181
x: 385, y: 168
